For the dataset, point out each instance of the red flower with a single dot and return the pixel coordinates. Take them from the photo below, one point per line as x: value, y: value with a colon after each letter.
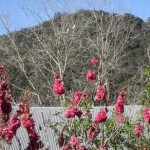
x: 24, y: 118
x: 70, y: 112
x: 138, y: 130
x: 146, y: 113
x: 61, y: 141
x: 65, y: 147
x: 100, y: 93
x: 91, y: 134
x: 30, y: 123
x: 101, y: 116
x: 74, y: 141
x: 119, y: 106
x: 58, y: 87
x: 77, y: 97
x: 120, y: 119
x: 1, y: 69
x: 91, y: 75
x: 78, y: 113
x: 8, y: 135
x: 94, y: 61
x: 6, y: 107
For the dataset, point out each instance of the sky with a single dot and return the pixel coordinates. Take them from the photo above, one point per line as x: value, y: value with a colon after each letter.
x: 18, y: 14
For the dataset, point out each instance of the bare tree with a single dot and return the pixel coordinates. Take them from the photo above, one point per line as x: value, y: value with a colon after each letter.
x: 65, y: 44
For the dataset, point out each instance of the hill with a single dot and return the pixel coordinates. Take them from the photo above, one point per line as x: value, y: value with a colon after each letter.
x: 66, y: 44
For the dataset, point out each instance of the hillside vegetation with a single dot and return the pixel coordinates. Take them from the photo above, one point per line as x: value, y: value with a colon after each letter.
x: 66, y: 43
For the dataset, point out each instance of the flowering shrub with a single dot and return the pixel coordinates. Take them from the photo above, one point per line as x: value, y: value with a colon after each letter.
x: 79, y: 129
x: 10, y: 125
x: 82, y: 131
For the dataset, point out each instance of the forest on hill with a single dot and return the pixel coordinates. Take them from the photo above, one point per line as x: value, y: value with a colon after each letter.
x: 66, y: 43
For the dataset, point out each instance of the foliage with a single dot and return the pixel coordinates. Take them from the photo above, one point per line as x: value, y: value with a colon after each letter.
x: 26, y: 53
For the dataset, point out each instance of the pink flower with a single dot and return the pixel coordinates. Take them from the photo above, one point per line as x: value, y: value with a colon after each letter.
x: 8, y: 135
x: 100, y: 93
x: 1, y: 69
x: 58, y: 87
x: 77, y: 97
x: 74, y: 141
x: 146, y: 113
x: 119, y: 106
x: 120, y: 119
x: 138, y: 130
x: 70, y: 112
x: 30, y: 123
x: 91, y: 134
x: 94, y: 61
x: 32, y: 134
x: 91, y: 75
x: 24, y: 118
x: 8, y: 95
x: 101, y: 116
x: 65, y: 147
x: 82, y: 147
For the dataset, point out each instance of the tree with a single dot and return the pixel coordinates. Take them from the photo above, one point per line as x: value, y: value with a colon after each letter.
x: 65, y: 44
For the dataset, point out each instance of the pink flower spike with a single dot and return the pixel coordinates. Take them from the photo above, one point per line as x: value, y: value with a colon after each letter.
x: 119, y: 106
x: 74, y: 141
x: 94, y: 61
x: 91, y: 75
x: 70, y: 112
x: 101, y: 116
x: 77, y: 97
x: 100, y: 93
x: 58, y: 87
x: 146, y: 113
x: 138, y: 130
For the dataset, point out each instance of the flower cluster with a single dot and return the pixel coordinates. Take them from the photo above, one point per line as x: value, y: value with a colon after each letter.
x: 58, y: 87
x: 146, y: 113
x: 92, y: 132
x: 100, y: 93
x: 74, y: 142
x: 138, y: 130
x: 28, y: 122
x: 9, y: 131
x: 119, y: 107
x: 73, y: 111
x: 91, y: 75
x: 101, y: 116
x: 94, y: 61
x: 77, y: 97
x: 5, y: 97
x: 8, y: 125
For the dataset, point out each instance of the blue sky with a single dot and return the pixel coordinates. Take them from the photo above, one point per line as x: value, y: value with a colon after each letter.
x: 16, y: 10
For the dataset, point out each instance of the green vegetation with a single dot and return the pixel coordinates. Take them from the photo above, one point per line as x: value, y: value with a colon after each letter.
x: 27, y: 54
